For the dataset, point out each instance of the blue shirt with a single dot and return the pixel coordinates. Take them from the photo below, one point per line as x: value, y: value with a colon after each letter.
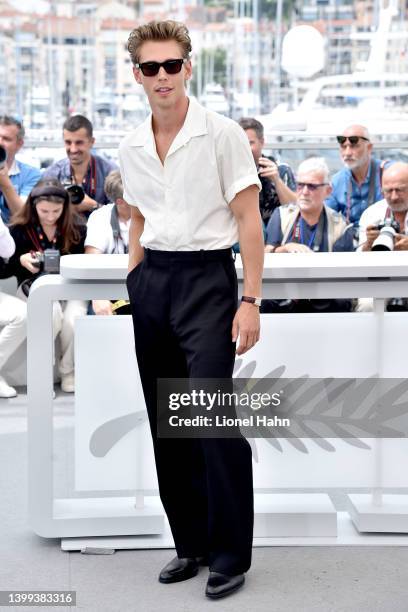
x: 61, y: 170
x: 350, y: 198
x: 274, y: 235
x: 23, y: 182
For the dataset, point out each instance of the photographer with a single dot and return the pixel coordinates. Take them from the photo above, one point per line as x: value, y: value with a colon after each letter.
x: 81, y: 166
x: 16, y: 178
x: 305, y: 227
x: 390, y: 213
x: 49, y: 221
x: 277, y: 180
x: 108, y: 232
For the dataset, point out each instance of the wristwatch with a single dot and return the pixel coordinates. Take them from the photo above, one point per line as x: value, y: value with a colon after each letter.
x: 251, y: 300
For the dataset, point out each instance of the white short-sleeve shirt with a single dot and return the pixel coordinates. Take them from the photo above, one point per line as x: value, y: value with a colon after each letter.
x: 373, y: 215
x: 185, y: 201
x: 99, y: 232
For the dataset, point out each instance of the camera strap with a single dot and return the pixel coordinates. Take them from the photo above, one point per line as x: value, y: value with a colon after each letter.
x: 114, y: 220
x: 371, y: 188
x: 39, y: 239
x: 89, y: 184
x: 316, y: 238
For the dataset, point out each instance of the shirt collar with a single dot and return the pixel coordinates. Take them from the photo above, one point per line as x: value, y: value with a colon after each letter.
x: 14, y: 168
x: 195, y: 124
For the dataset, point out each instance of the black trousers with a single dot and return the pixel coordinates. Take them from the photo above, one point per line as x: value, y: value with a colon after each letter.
x: 183, y: 304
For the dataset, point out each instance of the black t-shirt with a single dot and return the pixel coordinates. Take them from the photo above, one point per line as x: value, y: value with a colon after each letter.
x: 268, y: 197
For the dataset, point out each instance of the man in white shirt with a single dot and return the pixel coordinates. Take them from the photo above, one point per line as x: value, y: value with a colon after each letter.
x: 107, y: 230
x: 13, y: 315
x: 393, y: 207
x: 191, y: 180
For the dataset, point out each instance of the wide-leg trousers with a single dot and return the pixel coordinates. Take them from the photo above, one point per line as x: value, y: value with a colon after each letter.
x: 183, y: 304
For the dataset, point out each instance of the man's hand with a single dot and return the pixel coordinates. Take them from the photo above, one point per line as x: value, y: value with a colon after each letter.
x: 371, y: 234
x: 87, y: 204
x: 102, y: 307
x: 4, y: 177
x: 268, y: 169
x: 401, y: 242
x: 246, y: 325
x: 293, y: 247
x: 28, y: 261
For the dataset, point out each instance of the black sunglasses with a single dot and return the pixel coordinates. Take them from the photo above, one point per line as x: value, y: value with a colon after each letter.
x: 171, y: 66
x: 353, y: 140
x: 310, y: 186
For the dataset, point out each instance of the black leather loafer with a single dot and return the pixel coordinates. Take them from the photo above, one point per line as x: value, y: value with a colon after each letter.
x: 179, y: 569
x: 221, y: 585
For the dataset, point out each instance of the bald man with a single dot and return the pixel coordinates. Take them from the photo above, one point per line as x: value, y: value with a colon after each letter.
x: 393, y: 206
x: 358, y: 184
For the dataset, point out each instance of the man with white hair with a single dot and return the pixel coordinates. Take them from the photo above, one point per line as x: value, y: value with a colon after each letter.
x: 393, y: 207
x: 306, y: 226
x: 358, y: 184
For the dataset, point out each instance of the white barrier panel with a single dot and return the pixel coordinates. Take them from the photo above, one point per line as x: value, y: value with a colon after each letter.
x: 340, y: 345
x: 113, y: 449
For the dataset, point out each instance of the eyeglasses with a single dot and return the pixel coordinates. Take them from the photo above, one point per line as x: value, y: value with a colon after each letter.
x: 398, y: 190
x: 310, y: 186
x: 171, y: 66
x: 353, y: 140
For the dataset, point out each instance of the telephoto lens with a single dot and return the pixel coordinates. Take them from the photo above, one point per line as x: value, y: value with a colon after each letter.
x: 385, y: 241
x: 3, y: 157
x: 76, y: 193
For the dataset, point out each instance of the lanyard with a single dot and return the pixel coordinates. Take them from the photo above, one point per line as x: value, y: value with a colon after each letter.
x: 91, y: 183
x: 298, y: 233
x: 39, y: 239
x: 312, y: 236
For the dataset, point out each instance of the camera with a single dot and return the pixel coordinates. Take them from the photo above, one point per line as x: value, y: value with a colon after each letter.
x: 76, y: 192
x: 3, y: 157
x: 48, y: 262
x: 385, y: 241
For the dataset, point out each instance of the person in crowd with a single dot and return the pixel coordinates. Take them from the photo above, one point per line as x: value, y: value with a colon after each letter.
x: 13, y: 314
x: 108, y: 230
x: 308, y: 226
x: 392, y: 208
x: 81, y: 166
x: 49, y: 221
x: 358, y: 184
x: 190, y: 178
x: 16, y: 178
x: 277, y: 179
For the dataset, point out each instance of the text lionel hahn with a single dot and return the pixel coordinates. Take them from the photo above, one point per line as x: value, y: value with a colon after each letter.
x: 254, y: 420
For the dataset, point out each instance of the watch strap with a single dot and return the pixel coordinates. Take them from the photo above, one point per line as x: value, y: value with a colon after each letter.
x: 251, y: 300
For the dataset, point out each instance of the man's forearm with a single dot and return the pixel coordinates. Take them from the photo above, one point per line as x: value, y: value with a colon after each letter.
x: 135, y: 249
x: 14, y: 202
x: 252, y: 252
x: 285, y: 195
